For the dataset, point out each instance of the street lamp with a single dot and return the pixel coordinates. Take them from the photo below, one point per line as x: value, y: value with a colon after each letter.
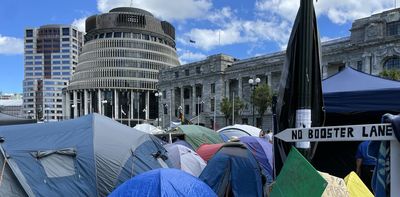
x: 198, y: 109
x: 254, y: 83
x: 158, y: 95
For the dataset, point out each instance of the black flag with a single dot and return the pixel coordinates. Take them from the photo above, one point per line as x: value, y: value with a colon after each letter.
x: 300, y: 85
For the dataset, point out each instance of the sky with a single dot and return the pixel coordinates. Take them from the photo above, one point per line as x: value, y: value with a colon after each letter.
x: 240, y: 28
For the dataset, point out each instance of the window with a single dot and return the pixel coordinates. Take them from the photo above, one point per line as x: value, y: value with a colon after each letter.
x: 101, y: 36
x: 392, y: 63
x: 187, y: 72
x: 109, y: 35
x: 29, y: 33
x: 57, y: 62
x: 29, y: 41
x: 393, y: 28
x: 65, y: 39
x: 38, y: 62
x: 65, y: 31
x: 56, y: 56
x: 245, y: 121
x: 65, y: 45
x: 164, y: 93
x: 177, y: 74
x: 213, y: 88
x: 359, y: 65
x: 38, y: 57
x: 38, y: 68
x: 65, y: 50
x: 28, y: 57
x: 66, y: 67
x: 198, y: 70
x: 57, y: 163
x: 212, y: 104
x: 65, y: 62
x: 117, y: 34
x: 186, y: 93
x: 258, y: 122
x: 29, y: 46
x: 186, y: 109
x: 165, y: 108
x: 65, y: 56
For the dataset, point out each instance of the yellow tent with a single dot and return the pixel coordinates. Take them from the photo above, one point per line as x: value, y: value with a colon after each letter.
x: 336, y: 186
x: 356, y: 187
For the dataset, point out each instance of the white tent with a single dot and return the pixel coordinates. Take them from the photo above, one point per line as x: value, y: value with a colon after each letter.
x: 185, y: 159
x: 250, y: 130
x: 148, y: 128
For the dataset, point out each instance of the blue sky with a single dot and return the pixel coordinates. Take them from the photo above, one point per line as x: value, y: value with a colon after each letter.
x: 241, y: 28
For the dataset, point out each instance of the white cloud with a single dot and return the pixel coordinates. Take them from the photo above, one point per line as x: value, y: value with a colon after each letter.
x: 186, y: 56
x: 178, y: 10
x: 238, y: 31
x: 11, y: 45
x: 338, y: 12
x: 80, y: 23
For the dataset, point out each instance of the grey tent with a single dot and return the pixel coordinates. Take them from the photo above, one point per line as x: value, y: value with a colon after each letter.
x: 89, y: 156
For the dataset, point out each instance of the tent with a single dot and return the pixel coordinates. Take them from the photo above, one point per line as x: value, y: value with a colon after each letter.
x: 163, y: 182
x: 6, y: 119
x: 233, y: 171
x: 207, y: 151
x: 148, y: 128
x: 336, y: 186
x: 352, y: 97
x: 238, y: 130
x: 356, y: 187
x: 262, y: 151
x: 88, y: 156
x: 183, y: 143
x: 185, y: 159
x: 197, y: 135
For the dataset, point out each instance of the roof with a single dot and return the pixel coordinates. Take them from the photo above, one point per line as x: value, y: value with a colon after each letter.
x: 11, y: 102
x: 351, y: 80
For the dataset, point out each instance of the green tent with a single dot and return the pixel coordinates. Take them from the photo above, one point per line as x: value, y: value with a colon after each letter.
x: 197, y: 135
x: 298, y: 178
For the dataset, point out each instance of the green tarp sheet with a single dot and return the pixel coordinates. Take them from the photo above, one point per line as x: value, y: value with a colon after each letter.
x: 298, y: 178
x: 198, y: 135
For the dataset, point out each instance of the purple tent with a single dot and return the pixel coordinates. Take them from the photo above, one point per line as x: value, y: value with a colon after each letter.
x: 262, y: 151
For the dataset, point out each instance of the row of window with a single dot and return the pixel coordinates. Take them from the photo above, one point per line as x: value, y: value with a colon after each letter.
x: 27, y: 74
x: 124, y: 63
x: 130, y: 35
x: 115, y: 73
x: 128, y: 54
x: 101, y: 44
x: 106, y: 83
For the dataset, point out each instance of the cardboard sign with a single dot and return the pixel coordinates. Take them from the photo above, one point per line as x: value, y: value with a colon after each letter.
x: 377, y: 132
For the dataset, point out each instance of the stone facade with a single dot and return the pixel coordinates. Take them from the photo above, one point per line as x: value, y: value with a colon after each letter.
x: 373, y: 45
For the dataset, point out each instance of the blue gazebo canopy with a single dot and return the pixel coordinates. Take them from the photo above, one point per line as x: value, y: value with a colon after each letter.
x: 352, y: 91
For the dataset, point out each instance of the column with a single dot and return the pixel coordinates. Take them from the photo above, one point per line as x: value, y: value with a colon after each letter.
x: 269, y: 80
x: 171, y: 104
x: 194, y: 100
x: 99, y: 104
x: 131, y: 105
x: 116, y: 104
x: 90, y: 102
x: 182, y: 104
x: 240, y: 88
x: 227, y: 88
x: 67, y: 106
x: 147, y: 104
x: 85, y: 102
x: 75, y: 100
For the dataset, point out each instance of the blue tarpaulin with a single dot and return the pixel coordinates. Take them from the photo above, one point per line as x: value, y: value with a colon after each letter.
x: 352, y: 91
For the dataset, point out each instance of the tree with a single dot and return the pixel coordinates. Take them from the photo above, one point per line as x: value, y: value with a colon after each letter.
x: 226, y: 108
x: 261, y: 99
x: 390, y: 74
x: 239, y: 105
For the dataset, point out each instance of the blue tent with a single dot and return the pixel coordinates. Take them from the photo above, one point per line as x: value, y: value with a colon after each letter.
x: 262, y: 151
x: 163, y: 182
x: 87, y: 156
x: 352, y: 91
x: 233, y: 171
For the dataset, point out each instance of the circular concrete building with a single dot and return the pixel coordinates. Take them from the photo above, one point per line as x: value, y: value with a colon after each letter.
x: 118, y: 68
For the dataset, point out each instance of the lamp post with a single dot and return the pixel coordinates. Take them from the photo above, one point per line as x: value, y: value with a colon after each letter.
x: 254, y: 83
x: 158, y: 95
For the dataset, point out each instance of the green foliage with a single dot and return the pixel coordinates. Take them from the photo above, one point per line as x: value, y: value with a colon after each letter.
x: 226, y: 107
x: 262, y: 99
x: 390, y: 74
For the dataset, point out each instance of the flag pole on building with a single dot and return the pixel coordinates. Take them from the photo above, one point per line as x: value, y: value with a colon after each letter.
x: 300, y: 102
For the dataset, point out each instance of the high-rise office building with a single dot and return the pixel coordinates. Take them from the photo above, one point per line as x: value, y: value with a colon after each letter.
x: 117, y: 74
x: 51, y: 55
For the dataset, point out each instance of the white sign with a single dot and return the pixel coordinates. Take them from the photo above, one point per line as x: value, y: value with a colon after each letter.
x: 374, y: 132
